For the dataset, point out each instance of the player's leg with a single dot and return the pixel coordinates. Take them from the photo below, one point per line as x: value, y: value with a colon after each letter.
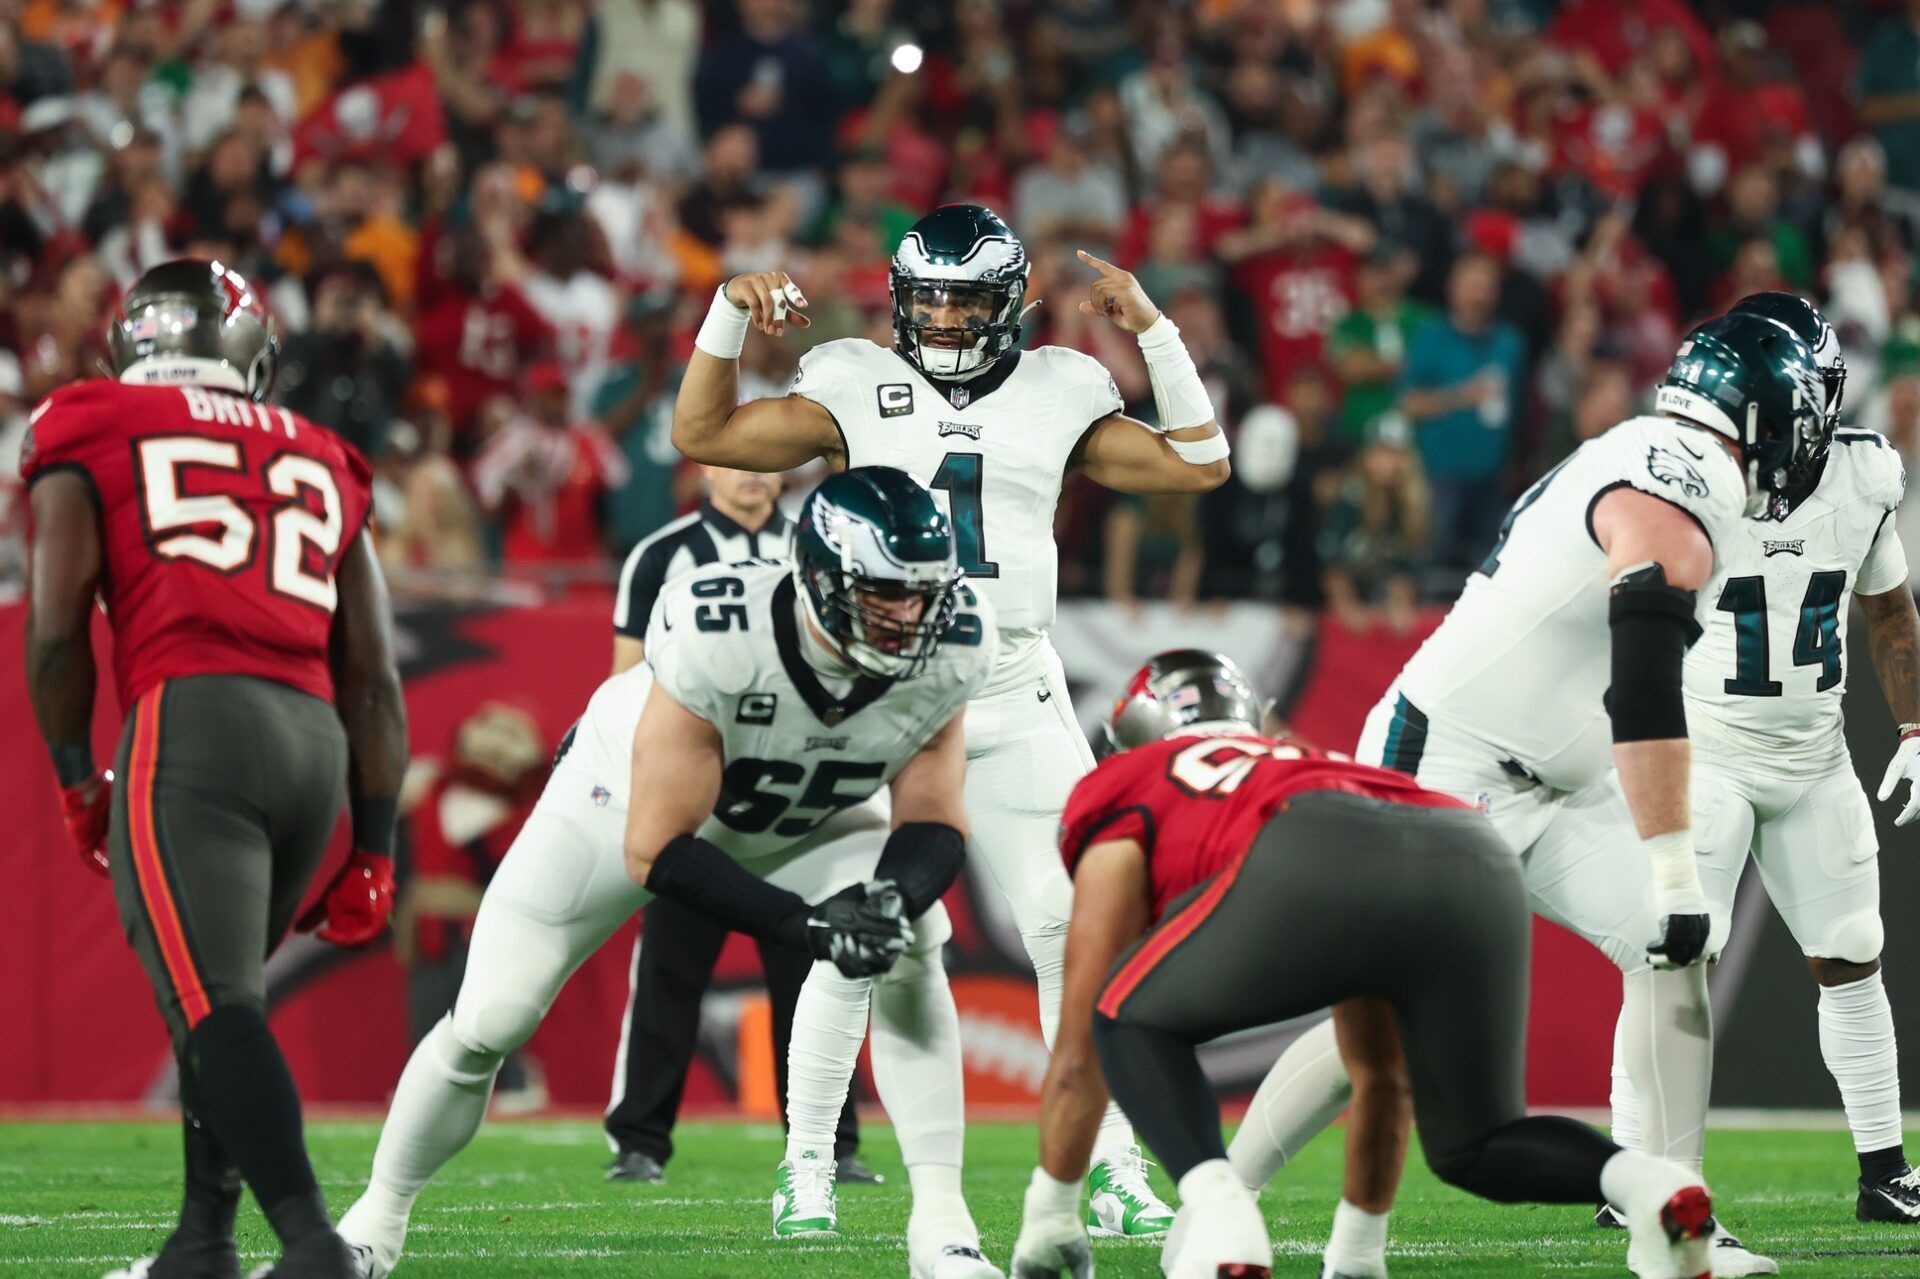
x: 673, y: 961
x: 194, y: 868
x: 1459, y: 994
x: 1299, y: 1099
x: 918, y: 1072
x: 560, y: 892
x: 1587, y: 873
x: 1723, y: 821
x: 1819, y: 859
x: 1020, y: 771
x: 786, y: 969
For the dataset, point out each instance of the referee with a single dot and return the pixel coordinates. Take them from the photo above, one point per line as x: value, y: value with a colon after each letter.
x: 739, y: 520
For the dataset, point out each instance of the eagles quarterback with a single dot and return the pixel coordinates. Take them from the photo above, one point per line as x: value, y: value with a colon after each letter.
x: 739, y: 770
x: 956, y: 404
x: 1551, y: 697
x: 1771, y: 774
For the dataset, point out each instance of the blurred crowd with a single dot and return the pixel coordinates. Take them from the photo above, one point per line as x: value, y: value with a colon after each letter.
x: 1420, y: 249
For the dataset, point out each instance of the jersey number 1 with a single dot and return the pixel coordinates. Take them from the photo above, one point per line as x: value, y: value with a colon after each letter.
x: 960, y: 474
x: 1815, y: 643
x: 301, y: 543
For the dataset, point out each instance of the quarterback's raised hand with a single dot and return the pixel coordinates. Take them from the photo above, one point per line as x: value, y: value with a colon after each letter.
x: 861, y: 929
x: 1118, y: 296
x: 771, y: 299
x: 1905, y: 766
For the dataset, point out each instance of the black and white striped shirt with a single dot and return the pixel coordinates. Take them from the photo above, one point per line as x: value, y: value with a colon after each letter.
x: 703, y: 537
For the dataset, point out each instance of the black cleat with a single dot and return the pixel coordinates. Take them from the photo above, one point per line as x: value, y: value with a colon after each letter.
x: 632, y: 1165
x: 848, y: 1170
x: 1608, y: 1217
x: 1895, y: 1199
x: 320, y: 1256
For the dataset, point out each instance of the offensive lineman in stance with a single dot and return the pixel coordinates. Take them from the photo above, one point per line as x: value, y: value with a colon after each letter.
x: 955, y: 404
x: 253, y: 660
x: 1551, y: 696
x: 1772, y: 778
x: 1269, y: 880
x: 738, y: 770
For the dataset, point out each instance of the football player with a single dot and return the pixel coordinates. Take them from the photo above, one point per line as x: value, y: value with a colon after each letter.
x: 253, y: 661
x: 1224, y: 880
x: 740, y: 770
x: 1771, y: 774
x: 1551, y: 697
x: 956, y: 404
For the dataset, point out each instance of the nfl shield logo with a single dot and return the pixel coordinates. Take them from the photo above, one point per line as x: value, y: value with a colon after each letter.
x: 959, y: 395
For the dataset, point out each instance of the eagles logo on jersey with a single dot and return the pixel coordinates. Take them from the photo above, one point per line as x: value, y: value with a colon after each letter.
x: 962, y: 256
x: 1669, y: 467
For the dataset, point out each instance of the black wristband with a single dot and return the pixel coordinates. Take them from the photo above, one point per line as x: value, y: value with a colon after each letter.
x: 373, y: 823
x: 72, y: 763
x: 695, y: 873
x: 922, y: 859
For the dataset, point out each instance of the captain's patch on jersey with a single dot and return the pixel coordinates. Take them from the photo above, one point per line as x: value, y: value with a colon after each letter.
x: 1670, y: 467
x: 757, y: 708
x: 896, y: 399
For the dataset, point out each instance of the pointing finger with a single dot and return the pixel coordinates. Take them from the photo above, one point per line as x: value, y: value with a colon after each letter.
x: 1101, y: 265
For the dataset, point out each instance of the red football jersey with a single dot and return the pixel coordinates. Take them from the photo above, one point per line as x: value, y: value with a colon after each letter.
x: 222, y: 522
x: 1299, y: 296
x: 1196, y: 803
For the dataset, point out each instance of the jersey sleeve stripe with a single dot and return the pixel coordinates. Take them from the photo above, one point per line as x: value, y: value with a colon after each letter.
x: 1091, y: 835
x: 149, y: 864
x: 1629, y: 484
x: 1164, y: 940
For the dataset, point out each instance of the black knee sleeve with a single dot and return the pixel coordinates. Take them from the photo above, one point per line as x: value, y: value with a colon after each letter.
x: 1156, y: 1079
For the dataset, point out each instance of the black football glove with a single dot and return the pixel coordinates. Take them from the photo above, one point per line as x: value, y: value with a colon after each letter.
x: 861, y: 929
x: 1682, y: 941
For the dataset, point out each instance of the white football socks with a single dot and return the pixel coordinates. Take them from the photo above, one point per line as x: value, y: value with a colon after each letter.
x: 1625, y: 1129
x: 1857, y: 1043
x: 437, y: 1107
x: 1358, y: 1244
x: 829, y: 1023
x: 916, y: 1062
x: 1301, y: 1096
x: 1667, y: 1039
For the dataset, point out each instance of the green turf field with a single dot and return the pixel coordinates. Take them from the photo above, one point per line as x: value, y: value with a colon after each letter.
x: 527, y: 1201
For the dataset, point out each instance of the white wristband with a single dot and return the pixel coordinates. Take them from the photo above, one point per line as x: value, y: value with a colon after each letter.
x: 723, y: 334
x: 1202, y: 452
x: 1046, y: 1195
x: 1676, y: 869
x: 1178, y: 392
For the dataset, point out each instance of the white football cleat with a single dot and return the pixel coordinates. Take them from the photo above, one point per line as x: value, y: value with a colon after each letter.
x: 375, y: 1239
x: 958, y: 1260
x: 1732, y: 1260
x: 1218, y: 1232
x: 1672, y: 1238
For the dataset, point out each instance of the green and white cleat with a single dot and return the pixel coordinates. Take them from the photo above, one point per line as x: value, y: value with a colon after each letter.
x: 1120, y: 1203
x: 803, y: 1202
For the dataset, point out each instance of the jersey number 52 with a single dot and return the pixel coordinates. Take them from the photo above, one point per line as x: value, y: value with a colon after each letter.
x: 301, y: 542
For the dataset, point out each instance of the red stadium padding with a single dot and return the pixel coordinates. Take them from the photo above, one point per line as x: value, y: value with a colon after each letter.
x: 82, y: 1026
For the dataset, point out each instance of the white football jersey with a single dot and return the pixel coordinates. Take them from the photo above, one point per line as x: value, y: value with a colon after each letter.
x: 1524, y: 659
x: 801, y: 748
x: 994, y: 450
x: 1767, y: 675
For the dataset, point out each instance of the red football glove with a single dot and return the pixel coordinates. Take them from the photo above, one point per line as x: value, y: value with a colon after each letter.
x: 86, y: 808
x: 356, y: 905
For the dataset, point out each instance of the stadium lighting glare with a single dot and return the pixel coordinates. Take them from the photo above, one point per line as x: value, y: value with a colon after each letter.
x: 907, y: 59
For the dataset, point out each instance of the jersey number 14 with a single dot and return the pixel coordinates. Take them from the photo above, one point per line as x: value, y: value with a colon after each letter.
x: 1815, y: 643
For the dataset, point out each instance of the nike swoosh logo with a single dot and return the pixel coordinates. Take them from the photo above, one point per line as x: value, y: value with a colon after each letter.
x: 1698, y: 457
x: 1905, y: 1209
x: 1044, y: 696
